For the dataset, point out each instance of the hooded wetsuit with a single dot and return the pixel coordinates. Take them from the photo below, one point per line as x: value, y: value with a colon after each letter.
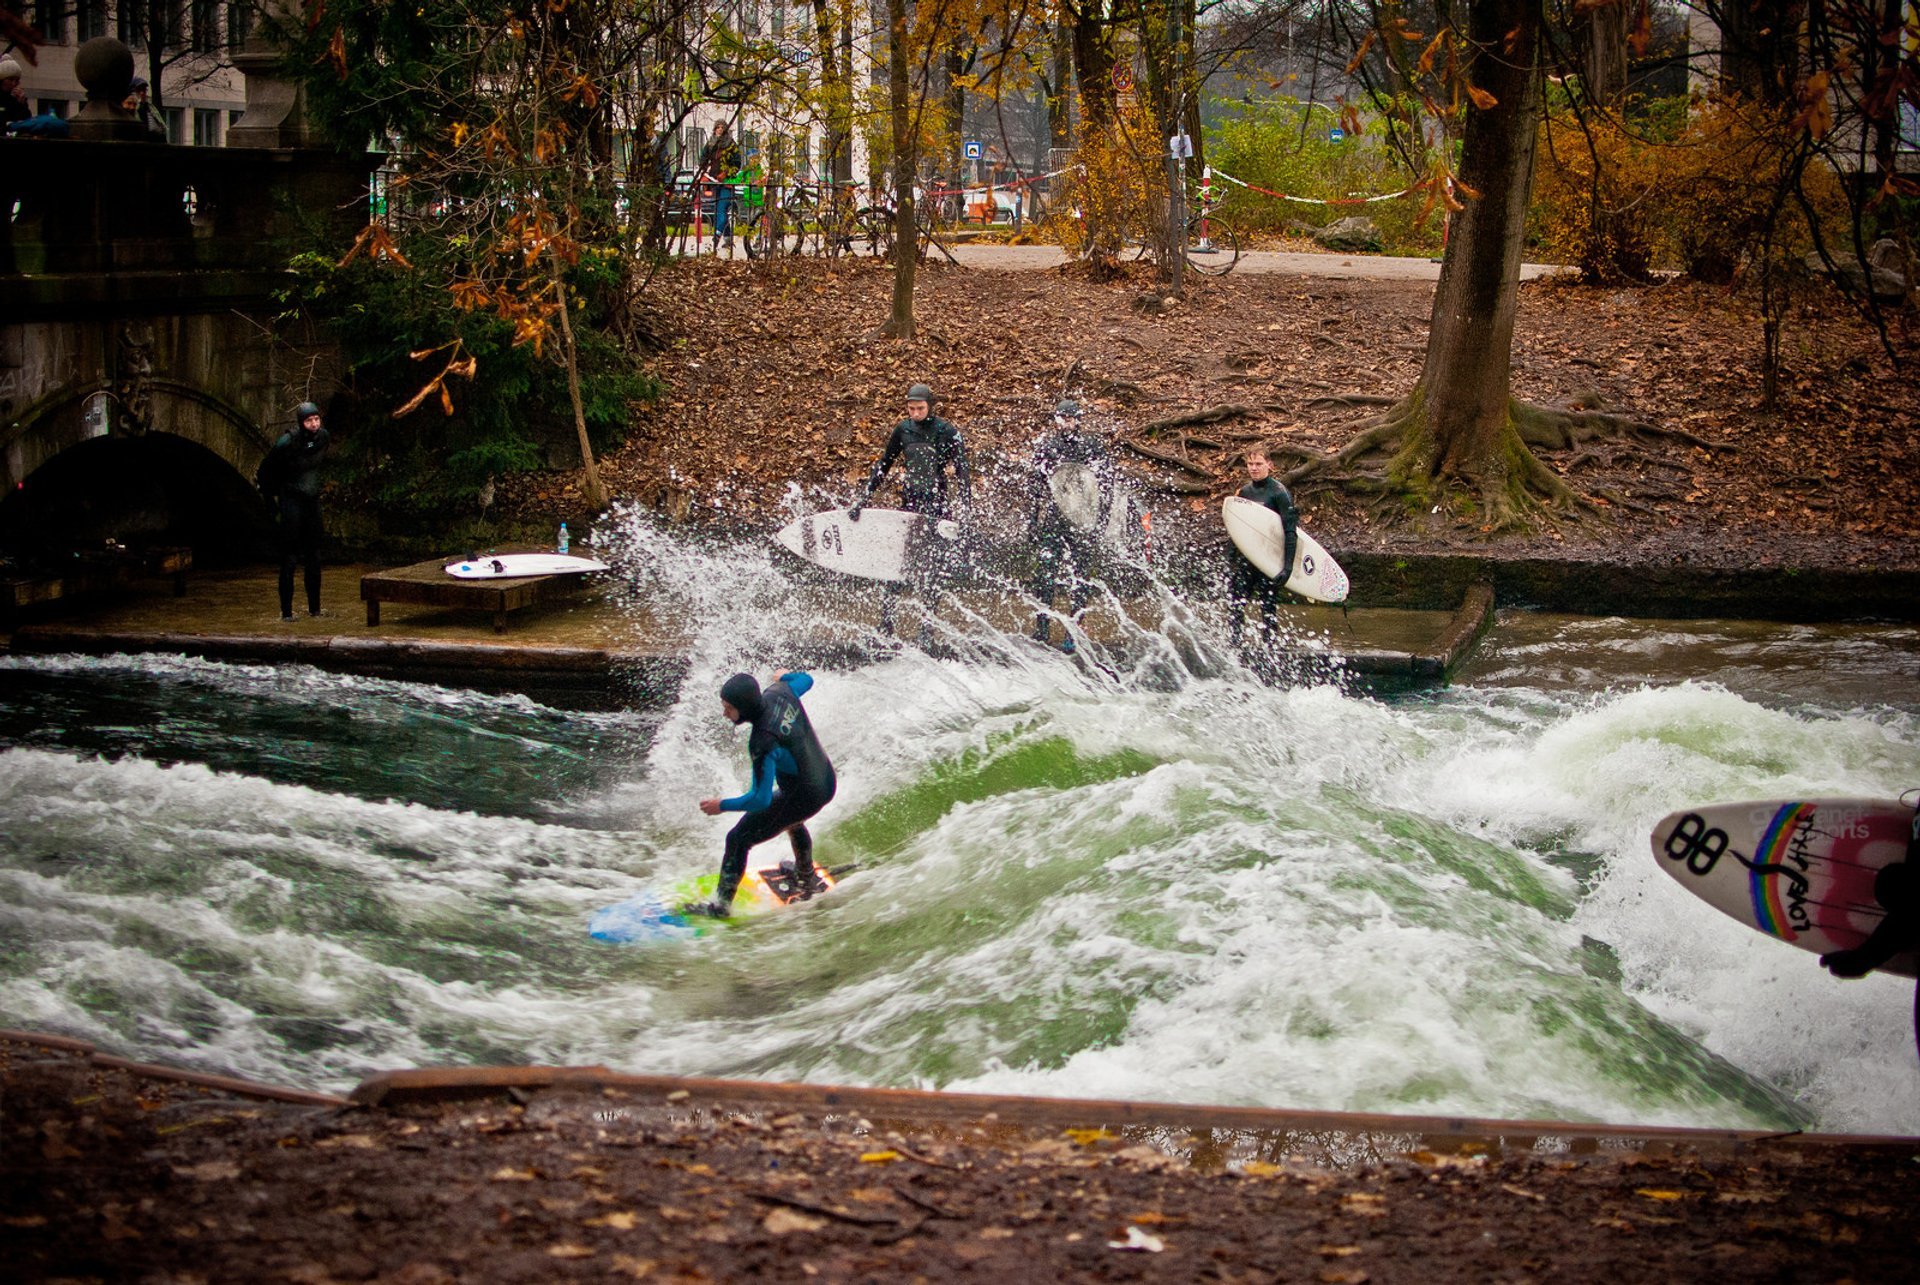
x: 792, y: 777
x: 290, y: 475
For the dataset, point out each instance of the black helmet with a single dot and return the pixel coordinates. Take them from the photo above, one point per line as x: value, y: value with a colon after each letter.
x: 920, y: 393
x: 303, y: 410
x: 1067, y: 409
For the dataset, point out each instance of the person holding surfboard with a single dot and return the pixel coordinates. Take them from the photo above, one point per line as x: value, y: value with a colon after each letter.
x: 792, y: 780
x: 931, y: 449
x: 1069, y: 494
x: 1246, y: 580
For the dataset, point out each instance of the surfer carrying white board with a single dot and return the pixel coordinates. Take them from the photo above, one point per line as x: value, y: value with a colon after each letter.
x: 792, y: 780
x: 1069, y: 495
x: 1247, y: 581
x: 931, y: 449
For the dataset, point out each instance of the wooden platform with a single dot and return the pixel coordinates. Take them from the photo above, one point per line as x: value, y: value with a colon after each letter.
x: 428, y: 584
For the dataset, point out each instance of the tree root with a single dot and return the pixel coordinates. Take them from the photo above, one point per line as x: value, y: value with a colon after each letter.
x: 1167, y: 457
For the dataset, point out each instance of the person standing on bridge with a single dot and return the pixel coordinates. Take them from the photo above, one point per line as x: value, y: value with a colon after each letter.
x: 290, y: 479
x: 13, y: 100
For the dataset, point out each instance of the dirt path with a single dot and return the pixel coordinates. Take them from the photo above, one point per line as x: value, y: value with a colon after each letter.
x: 1296, y: 263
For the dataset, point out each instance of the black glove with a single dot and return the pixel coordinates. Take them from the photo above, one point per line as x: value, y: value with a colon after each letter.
x: 1844, y: 963
x: 853, y: 514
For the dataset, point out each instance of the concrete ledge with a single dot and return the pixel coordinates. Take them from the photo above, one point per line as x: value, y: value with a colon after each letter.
x: 1680, y: 591
x: 566, y: 675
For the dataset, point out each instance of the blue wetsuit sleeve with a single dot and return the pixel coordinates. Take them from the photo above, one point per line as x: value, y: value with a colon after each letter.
x: 799, y: 682
x: 760, y: 796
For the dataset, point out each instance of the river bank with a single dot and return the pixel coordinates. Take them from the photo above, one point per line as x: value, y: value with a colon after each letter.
x: 122, y: 1172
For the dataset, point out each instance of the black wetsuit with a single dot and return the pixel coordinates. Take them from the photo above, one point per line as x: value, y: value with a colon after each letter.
x: 1064, y: 554
x: 792, y: 780
x: 1897, y: 889
x: 1248, y: 581
x: 929, y: 448
x: 290, y: 475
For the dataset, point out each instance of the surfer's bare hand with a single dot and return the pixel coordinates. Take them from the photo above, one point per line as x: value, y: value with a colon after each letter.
x: 710, y: 806
x: 853, y: 514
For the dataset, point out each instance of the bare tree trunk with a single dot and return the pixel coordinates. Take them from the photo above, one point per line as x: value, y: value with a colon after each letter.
x: 1060, y: 102
x: 1462, y: 399
x: 596, y: 491
x: 905, y: 161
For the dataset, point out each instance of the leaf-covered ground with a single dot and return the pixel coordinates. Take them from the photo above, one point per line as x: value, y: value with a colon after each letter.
x: 774, y: 376
x: 114, y: 1175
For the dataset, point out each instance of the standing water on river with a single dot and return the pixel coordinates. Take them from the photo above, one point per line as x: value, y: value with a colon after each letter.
x: 1157, y: 879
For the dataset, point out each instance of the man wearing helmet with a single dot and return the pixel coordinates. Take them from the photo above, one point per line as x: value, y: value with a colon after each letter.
x: 290, y: 479
x: 931, y: 448
x: 1069, y: 494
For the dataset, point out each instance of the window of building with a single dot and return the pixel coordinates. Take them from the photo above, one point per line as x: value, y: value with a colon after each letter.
x: 93, y: 19
x: 233, y: 118
x: 176, y: 122
x: 206, y: 127
x: 50, y: 16
x: 131, y: 23
x: 239, y: 23
x: 206, y: 26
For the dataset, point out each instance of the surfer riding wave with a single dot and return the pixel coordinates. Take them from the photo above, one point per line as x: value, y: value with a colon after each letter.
x: 792, y: 780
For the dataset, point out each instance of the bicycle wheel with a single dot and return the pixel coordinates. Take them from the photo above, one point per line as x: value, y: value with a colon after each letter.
x: 1215, y: 253
x: 768, y: 235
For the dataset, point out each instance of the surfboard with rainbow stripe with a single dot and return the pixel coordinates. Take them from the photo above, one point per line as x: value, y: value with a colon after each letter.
x: 1801, y: 870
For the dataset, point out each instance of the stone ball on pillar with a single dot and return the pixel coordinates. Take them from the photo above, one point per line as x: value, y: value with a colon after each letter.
x: 105, y: 66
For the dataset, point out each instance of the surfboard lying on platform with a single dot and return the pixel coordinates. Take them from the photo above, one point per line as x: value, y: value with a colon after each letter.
x: 500, y: 566
x: 1257, y: 531
x: 1800, y: 870
x: 656, y: 917
x: 874, y: 548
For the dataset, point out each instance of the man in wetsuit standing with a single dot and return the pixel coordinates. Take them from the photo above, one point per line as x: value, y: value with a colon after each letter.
x: 1248, y: 581
x: 792, y: 780
x: 1066, y: 545
x: 932, y: 448
x: 290, y: 479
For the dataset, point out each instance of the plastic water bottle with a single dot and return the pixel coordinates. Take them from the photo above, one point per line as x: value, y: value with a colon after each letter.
x: 563, y: 538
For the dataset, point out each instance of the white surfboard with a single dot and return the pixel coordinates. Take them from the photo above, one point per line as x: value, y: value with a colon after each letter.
x: 1077, y: 494
x: 874, y: 548
x: 502, y: 566
x: 1800, y: 870
x: 1257, y: 531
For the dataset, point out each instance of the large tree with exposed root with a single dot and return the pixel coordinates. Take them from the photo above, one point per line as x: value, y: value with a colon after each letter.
x: 1459, y: 438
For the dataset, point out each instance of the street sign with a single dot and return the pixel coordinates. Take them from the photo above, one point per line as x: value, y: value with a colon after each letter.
x: 1180, y: 146
x: 1336, y: 135
x: 972, y: 150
